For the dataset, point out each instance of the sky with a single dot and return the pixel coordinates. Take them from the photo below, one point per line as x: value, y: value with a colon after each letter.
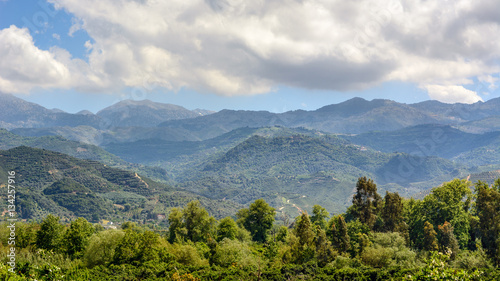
x: 275, y: 55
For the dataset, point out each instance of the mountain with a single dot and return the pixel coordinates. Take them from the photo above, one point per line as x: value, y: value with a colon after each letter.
x: 80, y: 150
x: 354, y: 116
x: 426, y: 140
x: 460, y: 112
x: 51, y: 182
x: 95, y: 136
x: 18, y: 113
x: 485, y: 125
x: 145, y: 113
x: 303, y: 169
x: 130, y: 121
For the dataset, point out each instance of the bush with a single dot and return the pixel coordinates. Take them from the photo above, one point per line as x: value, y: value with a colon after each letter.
x: 232, y: 252
x: 187, y: 255
x: 102, y: 246
x: 472, y: 260
x: 388, y: 250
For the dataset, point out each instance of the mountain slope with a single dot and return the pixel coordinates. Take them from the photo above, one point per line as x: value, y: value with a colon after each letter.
x: 79, y: 150
x: 426, y: 140
x: 353, y: 116
x: 307, y: 169
x: 51, y: 182
x: 18, y: 113
x: 129, y: 113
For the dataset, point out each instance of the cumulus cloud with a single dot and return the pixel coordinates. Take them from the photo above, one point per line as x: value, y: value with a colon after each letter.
x: 24, y: 66
x: 452, y: 94
x: 236, y: 47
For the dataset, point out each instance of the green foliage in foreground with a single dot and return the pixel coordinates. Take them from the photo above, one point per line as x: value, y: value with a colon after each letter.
x: 399, y: 240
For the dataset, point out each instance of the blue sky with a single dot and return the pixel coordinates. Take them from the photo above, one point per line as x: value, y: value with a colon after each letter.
x: 217, y: 54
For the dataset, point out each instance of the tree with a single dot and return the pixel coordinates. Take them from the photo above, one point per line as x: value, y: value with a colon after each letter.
x: 450, y: 202
x: 447, y: 240
x: 366, y: 202
x: 320, y: 216
x: 303, y: 230
x: 101, y: 248
x: 392, y: 212
x: 50, y: 235
x: 257, y: 219
x: 137, y: 248
x: 430, y: 239
x: 226, y: 228
x: 338, y: 234
x: 488, y: 209
x: 197, y: 221
x: 77, y: 237
x: 324, y: 250
x: 177, y: 230
x: 303, y: 249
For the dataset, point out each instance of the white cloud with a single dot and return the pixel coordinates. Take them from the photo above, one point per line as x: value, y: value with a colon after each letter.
x: 236, y: 47
x: 56, y: 36
x: 452, y: 94
x: 24, y: 67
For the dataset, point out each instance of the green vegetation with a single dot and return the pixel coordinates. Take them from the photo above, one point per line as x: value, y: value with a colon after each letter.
x: 450, y: 234
x: 53, y: 183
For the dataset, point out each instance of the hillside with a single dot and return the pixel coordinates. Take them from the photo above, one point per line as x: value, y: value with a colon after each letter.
x: 297, y: 170
x: 79, y: 150
x: 51, y: 182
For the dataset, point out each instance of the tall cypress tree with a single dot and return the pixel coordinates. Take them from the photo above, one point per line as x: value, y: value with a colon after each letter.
x: 392, y: 212
x: 430, y: 237
x: 366, y: 201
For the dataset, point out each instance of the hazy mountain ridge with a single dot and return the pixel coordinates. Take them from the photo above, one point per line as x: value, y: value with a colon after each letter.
x: 130, y: 121
x: 426, y: 140
x: 353, y: 116
x: 145, y: 113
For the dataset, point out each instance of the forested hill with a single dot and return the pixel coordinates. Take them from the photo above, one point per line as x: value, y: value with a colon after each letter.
x: 51, y: 182
x: 79, y: 150
x: 303, y: 169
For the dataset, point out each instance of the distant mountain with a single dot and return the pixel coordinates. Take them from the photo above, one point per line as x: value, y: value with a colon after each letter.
x: 95, y: 136
x: 18, y: 113
x: 488, y: 124
x: 487, y: 177
x: 426, y: 140
x: 51, y: 182
x: 145, y: 113
x: 354, y: 116
x: 460, y: 112
x: 129, y: 121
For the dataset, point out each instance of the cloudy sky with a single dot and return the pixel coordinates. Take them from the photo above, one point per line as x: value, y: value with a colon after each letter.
x: 272, y: 55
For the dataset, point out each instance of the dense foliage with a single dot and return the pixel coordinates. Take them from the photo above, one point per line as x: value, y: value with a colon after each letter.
x: 451, y: 234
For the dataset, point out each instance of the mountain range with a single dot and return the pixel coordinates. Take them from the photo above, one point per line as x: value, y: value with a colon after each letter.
x: 229, y: 158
